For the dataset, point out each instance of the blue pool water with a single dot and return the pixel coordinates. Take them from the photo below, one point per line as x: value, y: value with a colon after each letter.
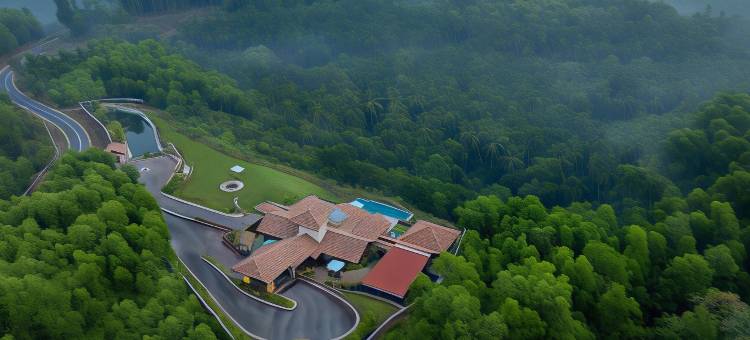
x: 381, y: 208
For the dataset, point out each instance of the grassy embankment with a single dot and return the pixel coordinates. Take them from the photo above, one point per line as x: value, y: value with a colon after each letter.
x: 272, y: 181
x: 211, y: 168
x: 372, y: 313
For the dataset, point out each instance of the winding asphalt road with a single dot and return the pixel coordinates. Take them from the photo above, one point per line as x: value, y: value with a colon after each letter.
x: 319, y: 315
x: 75, y: 134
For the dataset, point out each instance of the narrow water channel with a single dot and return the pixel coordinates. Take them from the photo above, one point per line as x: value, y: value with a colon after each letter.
x: 139, y: 133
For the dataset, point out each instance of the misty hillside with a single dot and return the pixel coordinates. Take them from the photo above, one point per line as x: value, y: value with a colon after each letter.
x: 516, y: 169
x: 728, y: 7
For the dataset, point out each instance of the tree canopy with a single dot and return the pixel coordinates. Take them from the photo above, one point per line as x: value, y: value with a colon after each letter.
x: 84, y: 257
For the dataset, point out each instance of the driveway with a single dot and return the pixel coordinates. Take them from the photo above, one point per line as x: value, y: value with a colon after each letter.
x: 76, y: 136
x: 160, y: 169
x: 318, y: 315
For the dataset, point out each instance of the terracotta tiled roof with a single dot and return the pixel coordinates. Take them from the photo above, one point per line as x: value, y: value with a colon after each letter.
x: 395, y: 272
x: 347, y: 240
x: 270, y: 261
x: 362, y: 223
x: 267, y: 207
x: 342, y: 245
x: 278, y: 225
x: 389, y: 242
x: 307, y: 220
x: 311, y: 212
x: 428, y: 235
x: 118, y: 148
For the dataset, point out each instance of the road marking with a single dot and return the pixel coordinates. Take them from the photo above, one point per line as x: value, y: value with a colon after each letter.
x: 42, y: 108
x: 67, y: 139
x: 47, y: 113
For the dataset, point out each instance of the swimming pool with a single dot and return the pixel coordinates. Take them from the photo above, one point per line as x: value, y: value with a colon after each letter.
x: 382, y: 208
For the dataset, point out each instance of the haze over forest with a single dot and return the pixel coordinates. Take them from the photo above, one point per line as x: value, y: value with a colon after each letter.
x: 597, y: 152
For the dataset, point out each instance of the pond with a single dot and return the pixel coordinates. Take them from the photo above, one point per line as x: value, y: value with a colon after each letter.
x: 140, y: 135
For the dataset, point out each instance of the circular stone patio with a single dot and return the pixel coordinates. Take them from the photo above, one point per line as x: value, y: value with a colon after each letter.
x: 231, y: 186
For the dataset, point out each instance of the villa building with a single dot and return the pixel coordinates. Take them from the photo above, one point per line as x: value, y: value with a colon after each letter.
x: 315, y: 228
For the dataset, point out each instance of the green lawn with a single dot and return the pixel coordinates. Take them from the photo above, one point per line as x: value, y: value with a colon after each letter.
x: 371, y: 311
x: 211, y: 168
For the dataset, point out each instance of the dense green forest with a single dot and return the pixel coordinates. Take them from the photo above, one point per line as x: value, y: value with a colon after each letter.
x: 678, y: 270
x: 433, y: 101
x: 604, y: 182
x: 17, y: 27
x: 25, y: 148
x: 84, y: 258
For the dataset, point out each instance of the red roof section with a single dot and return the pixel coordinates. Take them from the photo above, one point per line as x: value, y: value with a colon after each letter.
x: 428, y: 235
x: 395, y: 272
x: 267, y: 207
x: 118, y: 148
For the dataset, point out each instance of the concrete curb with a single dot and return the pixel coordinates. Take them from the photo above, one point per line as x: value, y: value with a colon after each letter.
x: 13, y: 83
x: 394, y: 304
x: 325, y: 289
x: 194, y: 220
x: 142, y: 115
x: 109, y: 137
x: 206, y: 306
x: 201, y: 207
x: 67, y: 139
x: 49, y: 165
x: 382, y: 325
x: 219, y: 304
x: 248, y: 295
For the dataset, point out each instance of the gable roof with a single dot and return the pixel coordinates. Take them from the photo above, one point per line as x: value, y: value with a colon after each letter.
x: 310, y: 212
x: 346, y: 240
x: 118, y: 148
x: 307, y: 220
x: 271, y: 260
x: 363, y: 223
x: 278, y: 225
x: 431, y: 236
x: 268, y: 207
x: 342, y: 245
x: 395, y: 272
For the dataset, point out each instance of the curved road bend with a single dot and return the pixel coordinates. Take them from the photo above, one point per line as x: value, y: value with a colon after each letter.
x: 77, y: 138
x: 318, y: 314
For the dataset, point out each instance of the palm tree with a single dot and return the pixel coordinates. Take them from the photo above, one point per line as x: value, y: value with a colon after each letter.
x: 394, y: 101
x: 512, y: 162
x: 425, y: 135
x: 372, y: 109
x: 471, y: 143
x: 493, y: 152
